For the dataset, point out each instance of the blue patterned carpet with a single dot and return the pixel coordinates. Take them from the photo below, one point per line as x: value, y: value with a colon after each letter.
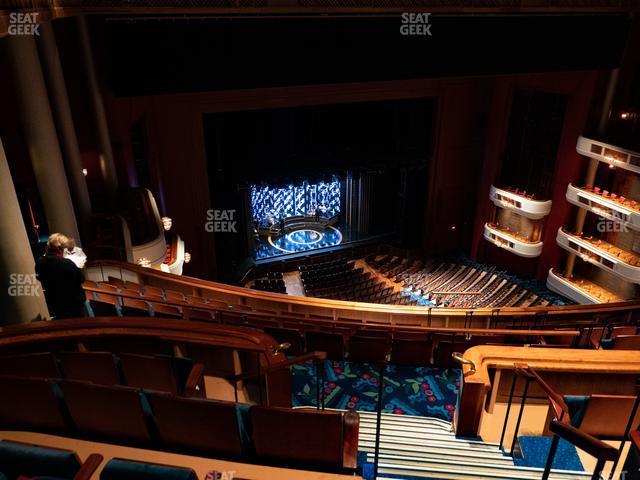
x: 430, y: 392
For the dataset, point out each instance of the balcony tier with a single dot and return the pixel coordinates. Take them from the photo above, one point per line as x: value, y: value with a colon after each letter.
x: 510, y: 242
x: 520, y: 204
x: 602, y: 254
x: 606, y: 207
x: 610, y: 154
x: 580, y: 290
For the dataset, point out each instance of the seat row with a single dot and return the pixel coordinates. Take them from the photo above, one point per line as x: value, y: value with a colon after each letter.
x: 194, y: 426
x: 376, y: 346
x: 176, y: 375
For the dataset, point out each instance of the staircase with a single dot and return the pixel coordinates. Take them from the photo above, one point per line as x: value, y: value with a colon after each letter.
x: 424, y: 447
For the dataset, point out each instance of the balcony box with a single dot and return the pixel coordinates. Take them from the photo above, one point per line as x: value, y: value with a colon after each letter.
x: 527, y: 207
x: 509, y: 242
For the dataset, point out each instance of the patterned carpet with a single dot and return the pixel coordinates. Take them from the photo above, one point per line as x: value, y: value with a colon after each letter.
x: 430, y: 392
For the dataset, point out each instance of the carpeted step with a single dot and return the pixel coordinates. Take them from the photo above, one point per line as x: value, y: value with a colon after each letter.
x: 535, y: 451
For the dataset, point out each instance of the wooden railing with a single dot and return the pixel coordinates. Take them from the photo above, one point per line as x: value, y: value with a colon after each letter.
x: 336, y: 309
x: 30, y: 337
x: 576, y: 371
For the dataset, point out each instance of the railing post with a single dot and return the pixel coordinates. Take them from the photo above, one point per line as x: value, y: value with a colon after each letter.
x: 318, y: 385
x: 506, y: 418
x: 259, y: 378
x: 632, y: 417
x: 522, y: 403
x: 322, y: 381
x: 378, y: 419
x: 551, y: 456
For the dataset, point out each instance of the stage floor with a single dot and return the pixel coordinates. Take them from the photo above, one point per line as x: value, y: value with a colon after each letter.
x: 302, y: 240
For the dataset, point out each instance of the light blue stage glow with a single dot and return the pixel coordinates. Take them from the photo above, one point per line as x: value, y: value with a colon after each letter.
x: 270, y: 204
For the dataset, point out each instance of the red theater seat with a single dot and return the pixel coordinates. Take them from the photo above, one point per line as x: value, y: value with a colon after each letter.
x: 197, y: 425
x: 311, y: 439
x: 411, y: 349
x: 162, y: 373
x: 109, y: 413
x: 94, y: 367
x: 30, y: 404
x: 42, y: 365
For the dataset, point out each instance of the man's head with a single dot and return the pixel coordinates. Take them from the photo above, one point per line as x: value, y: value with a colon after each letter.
x: 58, y: 243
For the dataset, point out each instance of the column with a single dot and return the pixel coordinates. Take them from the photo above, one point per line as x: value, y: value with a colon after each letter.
x: 107, y: 165
x: 21, y: 299
x: 40, y: 135
x: 59, y: 97
x: 592, y: 169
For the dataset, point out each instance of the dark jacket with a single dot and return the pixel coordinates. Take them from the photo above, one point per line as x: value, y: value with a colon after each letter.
x: 62, y: 284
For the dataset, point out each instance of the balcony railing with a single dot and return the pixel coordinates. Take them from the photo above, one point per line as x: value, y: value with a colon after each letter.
x: 607, y: 205
x: 602, y: 254
x: 512, y: 242
x: 610, y: 154
x: 520, y: 203
x: 580, y: 290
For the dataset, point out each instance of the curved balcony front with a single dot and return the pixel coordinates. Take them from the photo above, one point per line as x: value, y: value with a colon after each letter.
x: 610, y: 154
x: 606, y: 207
x: 579, y: 290
x: 511, y: 243
x: 624, y: 264
x: 520, y: 204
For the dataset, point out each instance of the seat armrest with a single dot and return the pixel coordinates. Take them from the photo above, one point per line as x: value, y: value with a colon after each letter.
x: 89, y: 466
x: 194, y: 386
x: 350, y: 428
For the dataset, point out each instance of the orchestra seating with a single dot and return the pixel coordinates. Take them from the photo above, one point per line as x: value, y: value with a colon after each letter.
x: 396, y: 278
x: 454, y: 284
x: 273, y: 283
x: 341, y: 280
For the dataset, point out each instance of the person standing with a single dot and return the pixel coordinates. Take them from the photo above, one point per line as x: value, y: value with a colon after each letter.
x: 61, y: 279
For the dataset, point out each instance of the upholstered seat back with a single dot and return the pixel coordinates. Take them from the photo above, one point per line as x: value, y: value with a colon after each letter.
x: 42, y: 365
x: 94, y: 367
x: 307, y: 438
x: 112, y: 413
x: 30, y: 404
x: 31, y: 461
x: 205, y: 426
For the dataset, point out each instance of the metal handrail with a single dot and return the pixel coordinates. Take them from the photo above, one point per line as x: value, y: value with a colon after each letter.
x: 458, y: 357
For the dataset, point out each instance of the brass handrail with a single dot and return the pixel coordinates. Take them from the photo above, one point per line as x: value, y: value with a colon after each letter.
x: 458, y: 357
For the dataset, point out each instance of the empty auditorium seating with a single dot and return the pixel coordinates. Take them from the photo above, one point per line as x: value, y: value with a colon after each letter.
x: 411, y: 349
x: 95, y: 367
x: 163, y: 373
x: 273, y: 283
x: 202, y: 426
x: 109, y: 413
x: 305, y: 437
x: 22, y: 460
x: 42, y: 365
x: 31, y: 404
